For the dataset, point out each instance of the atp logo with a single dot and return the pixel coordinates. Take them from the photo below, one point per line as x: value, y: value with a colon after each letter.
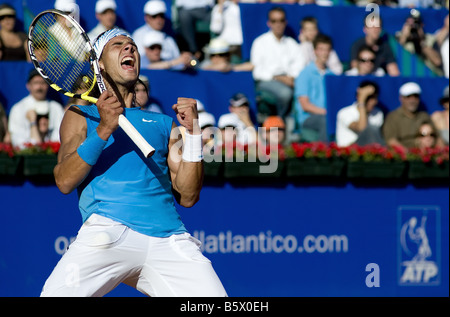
x: 419, y: 245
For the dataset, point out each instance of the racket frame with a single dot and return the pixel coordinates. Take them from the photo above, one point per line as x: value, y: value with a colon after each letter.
x: 124, y: 123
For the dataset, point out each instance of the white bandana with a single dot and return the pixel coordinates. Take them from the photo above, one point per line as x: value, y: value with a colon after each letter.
x: 104, y: 38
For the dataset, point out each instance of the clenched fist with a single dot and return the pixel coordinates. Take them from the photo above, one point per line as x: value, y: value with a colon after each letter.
x: 187, y: 115
x: 109, y: 109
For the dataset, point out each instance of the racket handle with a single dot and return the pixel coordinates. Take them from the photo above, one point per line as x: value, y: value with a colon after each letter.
x: 137, y: 138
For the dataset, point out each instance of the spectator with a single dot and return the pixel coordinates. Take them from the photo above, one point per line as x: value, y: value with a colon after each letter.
x: 308, y: 32
x: 310, y: 93
x: 445, y: 57
x: 228, y: 125
x: 401, y: 125
x: 365, y: 64
x: 426, y: 136
x: 240, y: 115
x: 274, y: 131
x: 153, y: 46
x: 414, y: 39
x: 415, y: 3
x: 226, y: 24
x: 13, y: 44
x: 218, y: 58
x: 142, y: 91
x: 380, y: 45
x: 361, y: 122
x: 442, y: 45
x: 441, y: 118
x: 207, y: 123
x: 4, y: 134
x: 25, y: 125
x: 68, y: 6
x: 189, y: 13
x: 62, y: 30
x: 277, y: 61
x: 155, y: 20
x: 105, y: 13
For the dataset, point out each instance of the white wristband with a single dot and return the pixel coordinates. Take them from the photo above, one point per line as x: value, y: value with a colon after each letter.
x: 193, y: 148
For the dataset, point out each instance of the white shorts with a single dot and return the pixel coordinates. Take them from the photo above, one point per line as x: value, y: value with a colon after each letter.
x: 107, y: 253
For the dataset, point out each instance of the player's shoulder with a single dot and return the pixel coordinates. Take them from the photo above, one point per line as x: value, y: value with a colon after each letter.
x: 154, y: 114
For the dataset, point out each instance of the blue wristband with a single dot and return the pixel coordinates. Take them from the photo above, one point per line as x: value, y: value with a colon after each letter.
x: 91, y: 148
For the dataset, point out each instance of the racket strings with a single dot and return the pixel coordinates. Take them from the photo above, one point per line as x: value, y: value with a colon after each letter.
x: 62, y: 53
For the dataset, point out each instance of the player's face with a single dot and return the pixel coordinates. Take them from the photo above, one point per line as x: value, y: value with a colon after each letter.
x: 121, y: 60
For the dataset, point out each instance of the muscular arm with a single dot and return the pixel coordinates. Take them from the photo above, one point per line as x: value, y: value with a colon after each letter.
x: 187, y: 177
x: 71, y: 169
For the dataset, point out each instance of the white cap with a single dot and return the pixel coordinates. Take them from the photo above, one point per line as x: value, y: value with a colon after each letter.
x: 409, y: 89
x: 42, y: 108
x: 218, y: 46
x: 206, y: 119
x: 103, y: 5
x: 66, y: 5
x: 228, y: 120
x: 200, y: 106
x: 152, y: 38
x: 153, y: 7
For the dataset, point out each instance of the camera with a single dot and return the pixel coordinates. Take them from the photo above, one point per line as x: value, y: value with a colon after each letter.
x: 415, y: 36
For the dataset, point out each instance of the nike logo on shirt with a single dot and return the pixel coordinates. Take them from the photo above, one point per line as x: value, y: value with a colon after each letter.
x: 145, y: 120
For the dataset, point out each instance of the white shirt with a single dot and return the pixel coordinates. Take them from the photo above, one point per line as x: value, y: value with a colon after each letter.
x: 169, y: 51
x: 271, y: 57
x: 444, y: 54
x: 245, y: 135
x: 379, y: 72
x: 19, y: 127
x: 347, y: 115
x: 227, y: 24
x: 333, y: 63
x: 193, y: 4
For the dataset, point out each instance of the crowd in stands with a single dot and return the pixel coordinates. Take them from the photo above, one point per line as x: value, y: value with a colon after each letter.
x: 289, y: 73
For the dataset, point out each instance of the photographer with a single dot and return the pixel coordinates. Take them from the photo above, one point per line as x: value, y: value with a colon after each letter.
x: 414, y: 39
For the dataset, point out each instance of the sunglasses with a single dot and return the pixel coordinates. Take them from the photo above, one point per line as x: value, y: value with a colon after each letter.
x: 7, y: 16
x: 273, y: 21
x: 221, y: 55
x: 423, y: 134
x: 155, y: 47
x: 367, y: 60
x: 159, y: 15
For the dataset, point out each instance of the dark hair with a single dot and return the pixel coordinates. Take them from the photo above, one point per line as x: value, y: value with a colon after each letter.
x: 366, y: 83
x: 276, y: 9
x: 322, y: 38
x: 366, y: 48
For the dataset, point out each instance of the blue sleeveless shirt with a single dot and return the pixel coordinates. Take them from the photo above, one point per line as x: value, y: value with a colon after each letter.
x: 127, y: 187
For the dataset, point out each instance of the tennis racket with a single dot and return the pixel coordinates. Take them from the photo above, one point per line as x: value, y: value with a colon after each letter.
x: 62, y: 53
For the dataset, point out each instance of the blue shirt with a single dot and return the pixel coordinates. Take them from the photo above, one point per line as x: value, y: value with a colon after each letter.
x: 127, y: 187
x: 310, y: 83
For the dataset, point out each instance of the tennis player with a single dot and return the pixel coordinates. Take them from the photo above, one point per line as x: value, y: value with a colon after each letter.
x: 131, y: 232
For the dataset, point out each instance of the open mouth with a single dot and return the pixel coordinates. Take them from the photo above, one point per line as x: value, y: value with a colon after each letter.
x: 127, y: 62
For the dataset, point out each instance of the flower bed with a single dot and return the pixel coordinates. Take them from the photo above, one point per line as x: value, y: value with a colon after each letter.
x: 293, y: 161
